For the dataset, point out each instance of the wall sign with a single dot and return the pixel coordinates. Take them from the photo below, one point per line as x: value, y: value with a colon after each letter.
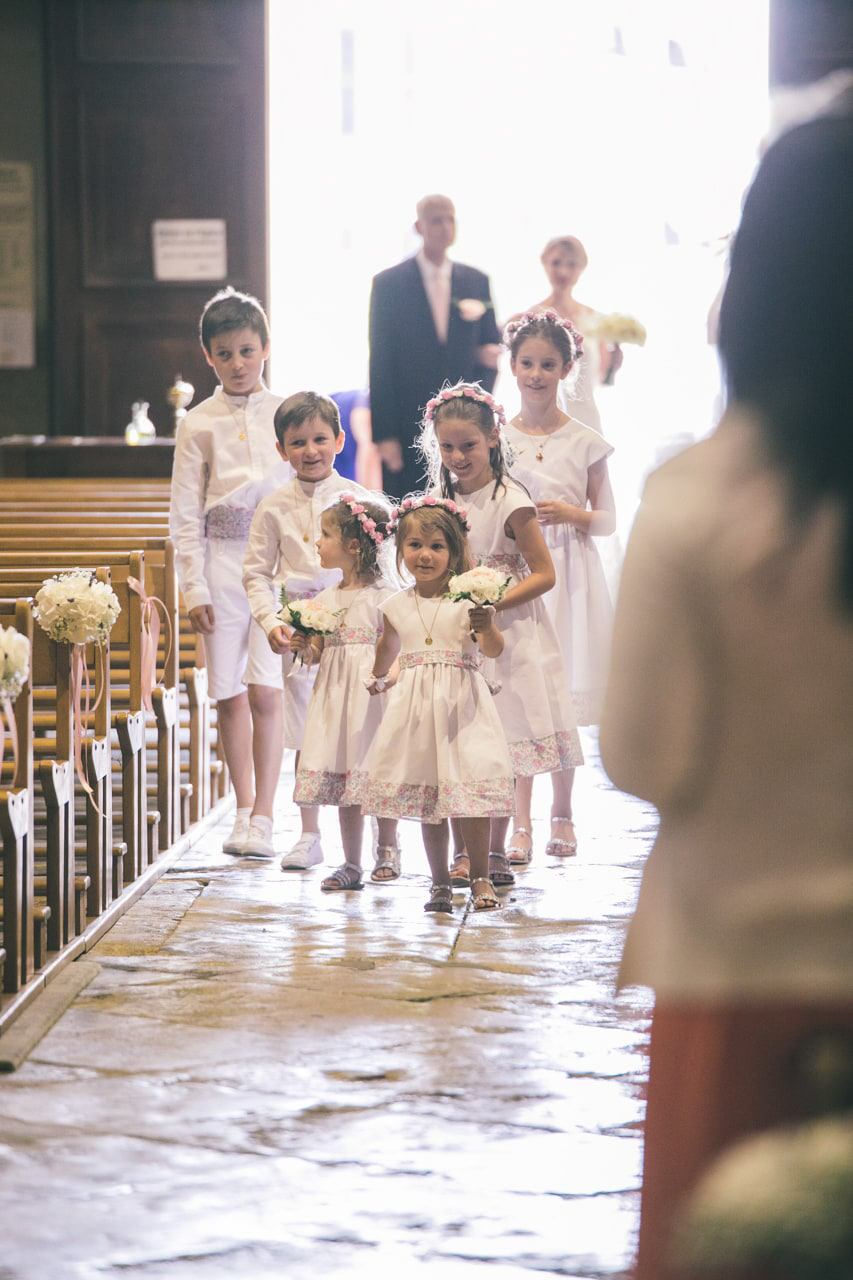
x: 189, y: 249
x: 17, y: 267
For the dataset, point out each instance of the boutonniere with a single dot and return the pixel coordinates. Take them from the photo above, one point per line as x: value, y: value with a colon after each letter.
x: 471, y: 309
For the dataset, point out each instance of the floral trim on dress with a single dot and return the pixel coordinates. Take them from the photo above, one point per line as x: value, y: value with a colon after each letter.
x: 318, y: 786
x: 491, y: 797
x: 514, y: 564
x: 353, y: 635
x: 546, y: 755
x: 439, y: 658
x: 228, y: 523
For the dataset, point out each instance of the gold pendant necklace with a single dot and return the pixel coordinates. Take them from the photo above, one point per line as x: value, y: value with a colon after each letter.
x: 241, y: 427
x: 428, y: 630
x: 543, y: 438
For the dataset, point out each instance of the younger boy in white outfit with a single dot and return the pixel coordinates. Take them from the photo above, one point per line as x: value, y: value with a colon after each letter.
x: 226, y: 461
x: 282, y: 551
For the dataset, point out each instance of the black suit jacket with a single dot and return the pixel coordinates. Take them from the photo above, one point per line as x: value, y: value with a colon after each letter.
x: 408, y: 364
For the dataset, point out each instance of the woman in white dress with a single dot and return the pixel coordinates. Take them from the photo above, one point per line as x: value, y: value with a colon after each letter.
x: 564, y: 259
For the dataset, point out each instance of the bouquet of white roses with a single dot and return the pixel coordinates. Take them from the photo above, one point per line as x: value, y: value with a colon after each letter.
x: 310, y: 618
x: 481, y: 585
x: 75, y: 608
x: 307, y: 616
x: 14, y: 662
x: 615, y: 328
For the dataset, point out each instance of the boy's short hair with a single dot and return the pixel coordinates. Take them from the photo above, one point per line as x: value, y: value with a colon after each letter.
x: 228, y: 310
x: 303, y: 405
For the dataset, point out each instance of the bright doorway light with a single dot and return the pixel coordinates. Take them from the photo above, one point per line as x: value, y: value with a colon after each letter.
x: 633, y: 126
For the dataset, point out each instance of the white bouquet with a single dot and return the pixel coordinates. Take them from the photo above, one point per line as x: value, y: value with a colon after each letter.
x: 75, y: 608
x: 307, y: 616
x: 14, y: 662
x: 615, y: 328
x: 778, y: 1199
x: 310, y: 618
x: 481, y: 585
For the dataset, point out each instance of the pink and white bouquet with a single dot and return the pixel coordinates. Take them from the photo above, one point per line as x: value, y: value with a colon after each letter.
x: 480, y: 585
x: 307, y: 616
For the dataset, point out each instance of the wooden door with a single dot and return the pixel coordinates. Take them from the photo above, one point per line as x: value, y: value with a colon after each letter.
x: 158, y: 114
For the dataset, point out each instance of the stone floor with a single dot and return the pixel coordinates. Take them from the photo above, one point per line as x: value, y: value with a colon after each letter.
x: 264, y: 1081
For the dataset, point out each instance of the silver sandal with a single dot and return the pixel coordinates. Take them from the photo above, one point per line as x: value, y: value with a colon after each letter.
x: 386, y: 858
x: 557, y: 848
x: 516, y: 856
x: 484, y: 899
x: 347, y: 876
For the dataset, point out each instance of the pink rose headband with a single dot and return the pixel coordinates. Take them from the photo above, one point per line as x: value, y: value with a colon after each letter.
x: 359, y: 510
x: 428, y: 500
x: 514, y: 328
x: 469, y: 390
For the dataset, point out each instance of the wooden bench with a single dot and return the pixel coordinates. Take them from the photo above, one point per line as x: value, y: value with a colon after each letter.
x: 191, y: 719
x: 52, y: 893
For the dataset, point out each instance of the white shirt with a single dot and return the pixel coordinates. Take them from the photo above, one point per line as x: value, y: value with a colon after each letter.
x: 225, y: 455
x: 437, y: 285
x: 282, y: 549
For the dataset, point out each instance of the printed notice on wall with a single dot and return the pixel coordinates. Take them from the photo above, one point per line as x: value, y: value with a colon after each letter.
x: 189, y: 249
x: 17, y: 267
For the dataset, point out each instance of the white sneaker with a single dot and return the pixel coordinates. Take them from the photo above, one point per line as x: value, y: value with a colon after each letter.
x: 307, y: 852
x: 259, y: 840
x: 234, y: 842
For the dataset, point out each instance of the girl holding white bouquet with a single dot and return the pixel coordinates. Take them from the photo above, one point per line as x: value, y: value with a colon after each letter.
x: 464, y: 446
x: 563, y: 465
x: 439, y: 752
x: 340, y: 627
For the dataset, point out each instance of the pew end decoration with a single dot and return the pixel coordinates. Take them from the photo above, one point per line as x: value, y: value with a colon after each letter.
x: 14, y: 673
x: 14, y: 663
x: 75, y: 608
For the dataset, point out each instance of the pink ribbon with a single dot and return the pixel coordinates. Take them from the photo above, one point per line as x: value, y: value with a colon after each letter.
x: 151, y: 606
x: 7, y: 712
x: 79, y: 679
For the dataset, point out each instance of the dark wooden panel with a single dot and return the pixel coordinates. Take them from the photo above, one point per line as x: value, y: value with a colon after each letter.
x: 91, y: 457
x: 158, y: 112
x: 161, y: 31
x: 137, y: 166
x: 136, y: 357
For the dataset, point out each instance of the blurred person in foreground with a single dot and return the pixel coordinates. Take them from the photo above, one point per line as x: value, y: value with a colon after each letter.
x: 730, y: 702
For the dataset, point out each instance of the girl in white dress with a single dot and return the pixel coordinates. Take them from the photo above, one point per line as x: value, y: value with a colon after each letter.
x: 563, y: 464
x: 439, y: 752
x: 463, y: 444
x: 342, y: 718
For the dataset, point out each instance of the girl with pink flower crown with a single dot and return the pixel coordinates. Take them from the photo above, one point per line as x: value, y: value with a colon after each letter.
x: 463, y: 443
x: 563, y: 465
x: 342, y: 718
x: 439, y: 752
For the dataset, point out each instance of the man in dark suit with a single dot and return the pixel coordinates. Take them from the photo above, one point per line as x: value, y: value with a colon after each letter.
x: 431, y: 321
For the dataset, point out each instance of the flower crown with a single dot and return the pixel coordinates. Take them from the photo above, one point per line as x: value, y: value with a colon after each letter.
x: 359, y: 510
x: 470, y: 391
x: 427, y: 500
x: 550, y: 316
